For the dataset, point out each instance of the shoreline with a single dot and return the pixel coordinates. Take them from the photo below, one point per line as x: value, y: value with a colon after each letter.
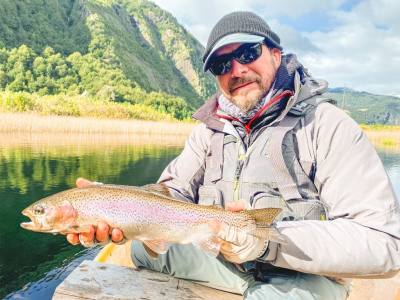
x: 27, y: 128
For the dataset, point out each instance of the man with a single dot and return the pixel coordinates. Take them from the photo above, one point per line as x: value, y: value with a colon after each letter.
x: 270, y: 138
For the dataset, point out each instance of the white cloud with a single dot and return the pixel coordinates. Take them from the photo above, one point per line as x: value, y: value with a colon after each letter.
x: 361, y: 51
x: 292, y: 40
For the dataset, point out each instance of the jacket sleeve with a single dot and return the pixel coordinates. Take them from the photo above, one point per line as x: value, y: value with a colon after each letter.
x: 362, y: 236
x: 185, y: 173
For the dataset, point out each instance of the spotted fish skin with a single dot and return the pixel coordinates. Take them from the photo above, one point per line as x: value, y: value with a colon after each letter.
x: 141, y: 214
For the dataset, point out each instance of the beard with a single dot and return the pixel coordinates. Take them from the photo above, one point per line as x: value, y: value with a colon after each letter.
x: 246, y: 99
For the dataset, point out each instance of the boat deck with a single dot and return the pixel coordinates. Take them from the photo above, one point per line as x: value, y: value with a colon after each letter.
x: 112, y: 276
x: 94, y: 280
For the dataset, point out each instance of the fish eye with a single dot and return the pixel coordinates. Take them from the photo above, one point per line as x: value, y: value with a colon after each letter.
x: 38, y: 210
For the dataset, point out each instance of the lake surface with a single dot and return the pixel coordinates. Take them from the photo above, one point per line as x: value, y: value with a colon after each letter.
x: 33, y: 264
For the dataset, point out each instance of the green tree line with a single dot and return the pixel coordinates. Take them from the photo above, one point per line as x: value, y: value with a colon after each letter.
x: 95, y: 75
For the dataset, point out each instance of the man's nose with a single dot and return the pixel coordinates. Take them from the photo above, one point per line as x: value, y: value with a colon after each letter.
x: 238, y: 69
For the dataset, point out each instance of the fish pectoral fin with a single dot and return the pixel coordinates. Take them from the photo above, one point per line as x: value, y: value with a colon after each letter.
x: 156, y: 246
x: 211, y: 245
x: 75, y: 228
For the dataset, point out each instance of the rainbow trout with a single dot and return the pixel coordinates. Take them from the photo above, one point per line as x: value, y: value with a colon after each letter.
x: 145, y: 213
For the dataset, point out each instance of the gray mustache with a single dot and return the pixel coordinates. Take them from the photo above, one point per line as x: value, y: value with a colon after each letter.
x: 237, y: 81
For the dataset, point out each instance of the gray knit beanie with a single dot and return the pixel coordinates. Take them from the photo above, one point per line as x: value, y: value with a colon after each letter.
x: 240, y: 22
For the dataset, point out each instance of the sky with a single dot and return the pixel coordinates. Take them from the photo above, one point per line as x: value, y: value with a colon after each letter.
x: 350, y: 43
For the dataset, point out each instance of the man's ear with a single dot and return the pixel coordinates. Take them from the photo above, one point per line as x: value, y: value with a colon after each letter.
x: 276, y: 56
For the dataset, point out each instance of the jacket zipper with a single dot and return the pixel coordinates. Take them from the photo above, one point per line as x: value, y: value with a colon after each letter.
x: 241, y: 158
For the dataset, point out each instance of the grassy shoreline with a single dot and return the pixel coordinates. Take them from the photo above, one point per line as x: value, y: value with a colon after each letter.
x: 31, y: 127
x: 387, y: 136
x: 28, y: 128
x: 34, y: 123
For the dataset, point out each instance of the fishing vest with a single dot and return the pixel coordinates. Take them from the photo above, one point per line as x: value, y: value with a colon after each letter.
x: 269, y: 173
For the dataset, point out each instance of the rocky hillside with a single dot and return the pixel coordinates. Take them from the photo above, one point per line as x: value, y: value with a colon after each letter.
x: 121, y: 49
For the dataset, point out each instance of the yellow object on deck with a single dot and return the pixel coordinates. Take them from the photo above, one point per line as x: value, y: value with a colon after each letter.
x: 115, y: 254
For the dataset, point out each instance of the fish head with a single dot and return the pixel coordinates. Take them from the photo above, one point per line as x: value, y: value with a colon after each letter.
x: 50, y: 216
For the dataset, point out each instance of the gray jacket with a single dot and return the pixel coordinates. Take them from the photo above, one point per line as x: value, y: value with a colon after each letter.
x: 361, y: 237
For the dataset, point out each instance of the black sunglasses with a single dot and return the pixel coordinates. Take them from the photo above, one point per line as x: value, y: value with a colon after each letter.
x: 245, y: 54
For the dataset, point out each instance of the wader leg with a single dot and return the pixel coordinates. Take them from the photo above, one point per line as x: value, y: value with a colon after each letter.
x: 299, y: 286
x: 188, y: 262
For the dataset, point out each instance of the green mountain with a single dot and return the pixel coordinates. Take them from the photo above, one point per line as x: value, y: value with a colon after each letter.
x: 368, y: 108
x: 121, y: 50
x: 116, y: 53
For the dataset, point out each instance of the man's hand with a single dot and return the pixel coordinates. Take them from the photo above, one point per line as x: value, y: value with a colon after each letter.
x: 102, y: 232
x: 239, y: 246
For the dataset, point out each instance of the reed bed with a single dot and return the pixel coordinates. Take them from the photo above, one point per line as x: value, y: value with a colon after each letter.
x: 26, y: 128
x: 87, y: 141
x: 389, y: 137
x: 33, y: 123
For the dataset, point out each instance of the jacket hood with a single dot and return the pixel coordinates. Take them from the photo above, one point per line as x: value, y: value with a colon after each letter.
x: 308, y: 87
x: 305, y: 87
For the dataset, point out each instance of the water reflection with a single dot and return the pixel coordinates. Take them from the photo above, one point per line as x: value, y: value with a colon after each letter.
x: 34, y: 264
x: 390, y: 157
x: 28, y: 174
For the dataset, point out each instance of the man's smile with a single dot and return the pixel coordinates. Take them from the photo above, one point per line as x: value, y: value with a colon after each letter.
x: 242, y: 85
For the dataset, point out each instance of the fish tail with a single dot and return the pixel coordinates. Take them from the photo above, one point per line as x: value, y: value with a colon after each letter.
x: 264, y: 216
x: 265, y: 227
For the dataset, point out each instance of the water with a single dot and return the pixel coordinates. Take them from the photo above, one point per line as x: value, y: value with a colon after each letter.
x: 33, y: 264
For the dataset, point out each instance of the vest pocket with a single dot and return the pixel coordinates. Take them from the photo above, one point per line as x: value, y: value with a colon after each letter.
x: 265, y: 199
x: 210, y: 195
x: 309, y: 209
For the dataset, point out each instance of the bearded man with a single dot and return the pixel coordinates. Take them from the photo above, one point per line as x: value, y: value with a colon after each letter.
x: 271, y: 138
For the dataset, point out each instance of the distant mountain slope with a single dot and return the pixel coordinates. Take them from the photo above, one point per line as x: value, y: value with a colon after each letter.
x: 141, y: 45
x: 123, y: 51
x: 366, y: 107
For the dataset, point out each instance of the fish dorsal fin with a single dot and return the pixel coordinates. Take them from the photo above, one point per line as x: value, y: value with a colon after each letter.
x: 161, y: 190
x: 158, y: 188
x: 214, y: 206
x: 264, y: 216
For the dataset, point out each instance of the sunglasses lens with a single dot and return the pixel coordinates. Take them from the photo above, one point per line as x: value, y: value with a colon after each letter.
x: 220, y: 67
x: 245, y: 54
x: 249, y: 54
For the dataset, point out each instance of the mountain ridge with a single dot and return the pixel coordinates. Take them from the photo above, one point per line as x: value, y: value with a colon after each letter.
x: 143, y: 48
x: 367, y: 108
x: 124, y: 51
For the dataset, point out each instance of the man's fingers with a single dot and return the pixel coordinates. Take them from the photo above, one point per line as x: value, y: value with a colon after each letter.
x: 235, y: 206
x: 102, y: 232
x: 82, y: 182
x: 117, y: 235
x: 73, y: 238
x: 87, y: 237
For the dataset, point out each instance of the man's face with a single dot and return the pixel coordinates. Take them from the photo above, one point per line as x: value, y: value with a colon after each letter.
x: 245, y: 84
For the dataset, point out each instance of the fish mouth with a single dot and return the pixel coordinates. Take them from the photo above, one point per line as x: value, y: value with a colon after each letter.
x: 36, y: 225
x: 28, y: 225
x: 32, y: 225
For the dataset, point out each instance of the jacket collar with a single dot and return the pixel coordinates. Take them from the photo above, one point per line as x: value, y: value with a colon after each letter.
x: 302, y: 91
